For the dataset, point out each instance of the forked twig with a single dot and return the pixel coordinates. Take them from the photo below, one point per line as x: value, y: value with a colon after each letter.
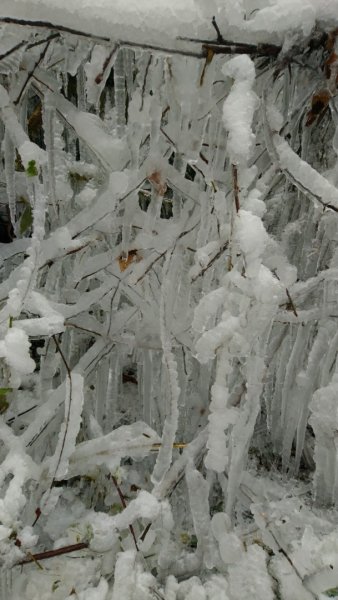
x: 31, y: 72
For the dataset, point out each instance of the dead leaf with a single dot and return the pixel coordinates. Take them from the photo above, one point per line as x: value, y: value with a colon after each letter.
x: 126, y: 261
x: 319, y: 102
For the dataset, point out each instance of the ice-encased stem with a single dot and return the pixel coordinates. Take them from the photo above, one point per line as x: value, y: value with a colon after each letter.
x: 172, y: 390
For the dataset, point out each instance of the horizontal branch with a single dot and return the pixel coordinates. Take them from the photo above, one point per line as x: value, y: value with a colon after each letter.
x: 48, y: 25
x: 217, y: 47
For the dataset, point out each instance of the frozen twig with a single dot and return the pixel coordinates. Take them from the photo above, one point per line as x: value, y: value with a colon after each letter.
x: 124, y: 505
x: 52, y: 553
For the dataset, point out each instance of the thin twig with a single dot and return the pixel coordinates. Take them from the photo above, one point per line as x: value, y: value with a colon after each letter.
x: 144, y: 533
x: 236, y: 187
x: 178, y: 445
x: 69, y: 374
x: 51, y: 553
x: 164, y: 253
x: 241, y: 48
x: 291, y: 303
x: 211, y: 262
x: 220, y: 38
x: 99, y: 77
x: 163, y: 50
x: 13, y: 49
x: 49, y: 25
x: 51, y: 37
x: 124, y: 505
x: 31, y: 73
x: 69, y: 324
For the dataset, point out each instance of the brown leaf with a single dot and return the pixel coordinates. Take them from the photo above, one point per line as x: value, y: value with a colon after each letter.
x: 126, y: 261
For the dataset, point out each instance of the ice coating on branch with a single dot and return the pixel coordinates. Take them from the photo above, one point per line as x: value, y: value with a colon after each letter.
x: 198, y: 496
x: 211, y: 340
x: 74, y: 399
x: 130, y: 579
x: 94, y: 70
x: 239, y: 108
x: 144, y: 506
x: 133, y: 440
x: 31, y: 152
x: 172, y: 389
x: 220, y: 419
x: 208, y: 307
x: 304, y: 175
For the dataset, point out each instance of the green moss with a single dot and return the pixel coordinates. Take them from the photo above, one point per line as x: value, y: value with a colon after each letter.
x: 332, y: 593
x: 31, y: 170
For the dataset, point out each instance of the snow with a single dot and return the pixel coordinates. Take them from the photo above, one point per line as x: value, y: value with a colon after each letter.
x: 252, y: 239
x: 137, y: 21
x: 304, y: 175
x: 239, y: 108
x: 249, y: 577
x: 144, y: 506
x: 287, y: 15
x: 31, y: 152
x: 15, y: 349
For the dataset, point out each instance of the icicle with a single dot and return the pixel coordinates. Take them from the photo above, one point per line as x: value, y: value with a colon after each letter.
x: 198, y: 490
x: 324, y: 421
x: 9, y: 158
x: 48, y: 117
x: 113, y: 388
x: 147, y: 382
x: 172, y: 390
x: 307, y: 381
x: 242, y: 431
x: 120, y: 93
x: 101, y: 389
x: 166, y: 555
x: 329, y: 361
x: 288, y: 405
